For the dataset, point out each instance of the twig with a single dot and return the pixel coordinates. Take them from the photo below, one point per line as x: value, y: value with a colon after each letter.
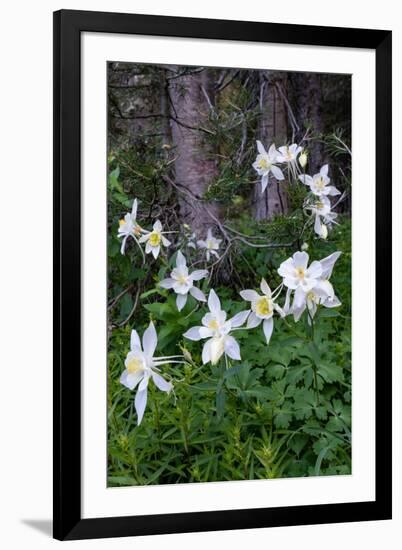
x: 132, y: 310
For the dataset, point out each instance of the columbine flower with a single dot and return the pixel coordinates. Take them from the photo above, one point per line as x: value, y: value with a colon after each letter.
x: 288, y: 153
x: 319, y: 183
x: 321, y: 294
x: 298, y: 277
x: 182, y: 282
x: 324, y: 218
x: 217, y: 330
x: 141, y: 366
x: 265, y: 163
x: 262, y: 309
x: 128, y: 227
x: 154, y: 239
x: 211, y: 245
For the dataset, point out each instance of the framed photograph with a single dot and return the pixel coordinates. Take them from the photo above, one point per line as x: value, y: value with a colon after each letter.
x: 222, y: 275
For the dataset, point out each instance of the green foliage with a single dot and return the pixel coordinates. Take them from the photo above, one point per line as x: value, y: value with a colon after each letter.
x: 284, y: 410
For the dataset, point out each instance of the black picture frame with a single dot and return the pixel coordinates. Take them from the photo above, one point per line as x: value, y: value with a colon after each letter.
x: 68, y: 522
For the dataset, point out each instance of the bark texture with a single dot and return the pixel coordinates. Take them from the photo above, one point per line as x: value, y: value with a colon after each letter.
x: 273, y: 128
x: 196, y: 166
x: 308, y: 102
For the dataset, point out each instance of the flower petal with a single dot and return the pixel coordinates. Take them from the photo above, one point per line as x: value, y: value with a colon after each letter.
x: 287, y: 268
x: 206, y: 332
x: 130, y: 381
x: 140, y: 404
x: 332, y: 302
x: 253, y: 321
x: 160, y: 382
x: 272, y: 152
x: 265, y: 288
x: 268, y: 327
x: 249, y: 295
x: 216, y: 349
x: 181, y: 301
x: 144, y: 238
x: 155, y: 250
x: 214, y: 303
x: 135, y: 341
x: 324, y: 170
x: 277, y: 172
x: 149, y: 340
x: 239, y: 319
x: 264, y: 182
x: 206, y: 352
x: 315, y: 270
x: 298, y: 311
x: 299, y: 298
x: 261, y: 148
x: 328, y: 263
x: 165, y: 241
x: 300, y: 259
x: 180, y: 259
x: 333, y: 190
x: 167, y: 283
x: 197, y: 294
x: 307, y: 180
x: 232, y: 348
x: 193, y: 334
x: 199, y: 274
x: 123, y: 245
x: 134, y: 209
x: 157, y: 226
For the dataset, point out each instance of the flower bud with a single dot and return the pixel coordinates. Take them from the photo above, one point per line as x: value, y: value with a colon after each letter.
x: 303, y: 159
x: 324, y: 231
x: 304, y: 246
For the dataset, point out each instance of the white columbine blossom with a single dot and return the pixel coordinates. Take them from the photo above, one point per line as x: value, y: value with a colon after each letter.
x: 211, y: 245
x: 262, y: 309
x: 141, y: 366
x: 288, y: 153
x: 265, y: 163
x: 128, y: 227
x: 322, y: 293
x: 298, y: 277
x: 319, y: 183
x: 324, y: 218
x: 182, y: 282
x: 154, y: 239
x: 217, y: 331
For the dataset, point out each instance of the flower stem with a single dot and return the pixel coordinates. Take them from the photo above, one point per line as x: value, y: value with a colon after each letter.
x: 315, y: 378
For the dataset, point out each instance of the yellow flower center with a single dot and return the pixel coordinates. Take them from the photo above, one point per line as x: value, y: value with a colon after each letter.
x: 210, y: 245
x: 121, y: 222
x: 263, y: 306
x: 135, y: 365
x: 311, y: 296
x: 182, y: 279
x: 288, y: 155
x: 320, y: 184
x: 319, y: 205
x: 300, y: 272
x: 154, y: 238
x: 213, y: 324
x: 263, y: 164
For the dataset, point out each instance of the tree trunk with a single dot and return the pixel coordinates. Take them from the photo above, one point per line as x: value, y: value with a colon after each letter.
x: 307, y: 93
x: 273, y: 128
x: 196, y: 166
